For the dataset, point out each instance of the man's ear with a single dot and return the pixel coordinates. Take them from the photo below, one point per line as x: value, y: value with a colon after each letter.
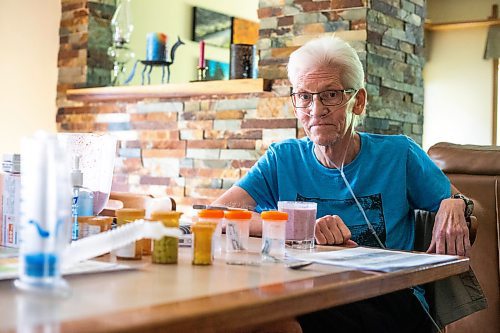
x: 360, y: 102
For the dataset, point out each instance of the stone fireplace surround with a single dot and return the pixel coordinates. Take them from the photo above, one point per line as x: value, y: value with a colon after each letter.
x: 194, y: 148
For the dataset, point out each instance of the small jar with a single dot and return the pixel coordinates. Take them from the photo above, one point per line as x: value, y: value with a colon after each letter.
x: 165, y: 250
x: 237, y: 230
x: 91, y: 225
x: 202, y: 243
x: 146, y: 244
x: 214, y: 218
x: 124, y: 216
x: 273, y: 233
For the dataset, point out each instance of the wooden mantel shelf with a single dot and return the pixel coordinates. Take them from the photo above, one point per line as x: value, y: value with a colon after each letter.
x: 461, y: 25
x: 172, y: 90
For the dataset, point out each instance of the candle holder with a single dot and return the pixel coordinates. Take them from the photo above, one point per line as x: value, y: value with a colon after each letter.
x: 149, y: 64
x: 119, y: 52
x: 202, y: 73
x: 242, y: 61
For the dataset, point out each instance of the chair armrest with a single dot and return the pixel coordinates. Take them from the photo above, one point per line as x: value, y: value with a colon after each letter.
x: 473, y: 225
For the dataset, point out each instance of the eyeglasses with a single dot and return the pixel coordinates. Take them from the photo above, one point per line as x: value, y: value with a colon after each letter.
x: 327, y: 97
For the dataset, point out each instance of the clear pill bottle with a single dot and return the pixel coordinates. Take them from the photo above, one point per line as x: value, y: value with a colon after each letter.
x: 146, y: 245
x: 273, y: 233
x: 237, y: 230
x: 214, y: 218
x: 92, y: 225
x: 124, y: 216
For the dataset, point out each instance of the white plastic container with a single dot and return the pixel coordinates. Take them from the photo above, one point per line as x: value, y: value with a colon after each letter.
x: 110, y: 240
x: 273, y: 233
x: 10, y: 201
x: 237, y: 230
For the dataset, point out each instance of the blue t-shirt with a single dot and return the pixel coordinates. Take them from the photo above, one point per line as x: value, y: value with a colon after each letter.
x: 391, y: 176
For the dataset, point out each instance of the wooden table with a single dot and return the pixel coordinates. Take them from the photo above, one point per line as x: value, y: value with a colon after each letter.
x: 187, y: 298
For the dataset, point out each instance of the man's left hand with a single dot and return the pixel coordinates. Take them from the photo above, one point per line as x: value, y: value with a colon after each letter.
x: 450, y: 234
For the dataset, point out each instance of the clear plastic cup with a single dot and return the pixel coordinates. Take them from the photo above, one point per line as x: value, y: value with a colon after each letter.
x: 237, y: 230
x: 273, y: 233
x: 97, y: 162
x: 301, y: 223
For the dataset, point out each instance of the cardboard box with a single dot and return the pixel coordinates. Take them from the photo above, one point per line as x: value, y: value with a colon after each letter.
x: 1, y: 207
x: 11, y: 200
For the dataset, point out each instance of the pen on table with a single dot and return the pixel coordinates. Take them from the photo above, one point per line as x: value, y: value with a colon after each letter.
x: 221, y: 207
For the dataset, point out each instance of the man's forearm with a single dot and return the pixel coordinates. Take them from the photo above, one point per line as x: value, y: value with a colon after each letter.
x: 239, y: 198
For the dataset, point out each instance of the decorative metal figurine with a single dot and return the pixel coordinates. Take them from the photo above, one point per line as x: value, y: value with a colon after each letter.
x: 149, y: 64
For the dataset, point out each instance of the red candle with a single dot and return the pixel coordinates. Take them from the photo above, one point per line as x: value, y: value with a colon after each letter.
x: 201, y: 62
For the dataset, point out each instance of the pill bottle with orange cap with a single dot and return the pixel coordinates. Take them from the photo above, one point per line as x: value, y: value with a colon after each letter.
x: 124, y: 216
x: 237, y: 230
x: 91, y: 225
x: 214, y: 218
x: 273, y: 233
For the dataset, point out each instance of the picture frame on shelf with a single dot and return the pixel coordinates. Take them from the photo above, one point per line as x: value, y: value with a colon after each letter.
x: 217, y: 70
x: 212, y: 27
x: 244, y: 31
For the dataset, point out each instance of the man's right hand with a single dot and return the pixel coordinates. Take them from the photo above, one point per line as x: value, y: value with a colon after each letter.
x: 331, y: 230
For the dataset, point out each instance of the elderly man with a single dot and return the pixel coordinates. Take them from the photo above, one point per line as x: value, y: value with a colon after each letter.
x: 366, y: 186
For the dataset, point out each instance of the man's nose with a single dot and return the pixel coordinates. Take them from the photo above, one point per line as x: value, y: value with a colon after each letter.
x: 317, y: 107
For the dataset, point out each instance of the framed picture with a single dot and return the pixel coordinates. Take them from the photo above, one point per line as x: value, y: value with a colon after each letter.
x: 244, y: 31
x: 217, y: 70
x: 214, y: 28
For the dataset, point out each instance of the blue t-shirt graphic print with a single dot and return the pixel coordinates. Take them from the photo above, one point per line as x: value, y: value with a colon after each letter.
x: 371, y: 204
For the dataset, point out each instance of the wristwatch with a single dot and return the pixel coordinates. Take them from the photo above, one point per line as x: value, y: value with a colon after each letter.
x: 469, y: 204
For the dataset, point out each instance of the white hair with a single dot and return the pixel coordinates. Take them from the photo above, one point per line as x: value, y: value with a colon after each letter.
x: 327, y: 51
x: 333, y: 52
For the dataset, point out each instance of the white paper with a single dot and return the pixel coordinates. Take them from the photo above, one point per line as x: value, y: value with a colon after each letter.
x: 9, y: 268
x: 364, y: 258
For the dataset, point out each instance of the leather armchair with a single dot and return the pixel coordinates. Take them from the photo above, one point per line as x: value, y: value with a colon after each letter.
x: 475, y: 172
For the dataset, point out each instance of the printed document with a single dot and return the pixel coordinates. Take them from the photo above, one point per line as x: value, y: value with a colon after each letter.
x: 365, y: 258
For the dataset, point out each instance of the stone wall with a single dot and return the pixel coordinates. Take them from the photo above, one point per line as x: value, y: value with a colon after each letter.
x: 395, y: 60
x: 84, y: 37
x: 388, y: 36
x: 190, y: 149
x: 194, y: 149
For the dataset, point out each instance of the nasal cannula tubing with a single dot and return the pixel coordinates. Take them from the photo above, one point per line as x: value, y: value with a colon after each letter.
x: 370, y: 226
x: 341, y: 169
